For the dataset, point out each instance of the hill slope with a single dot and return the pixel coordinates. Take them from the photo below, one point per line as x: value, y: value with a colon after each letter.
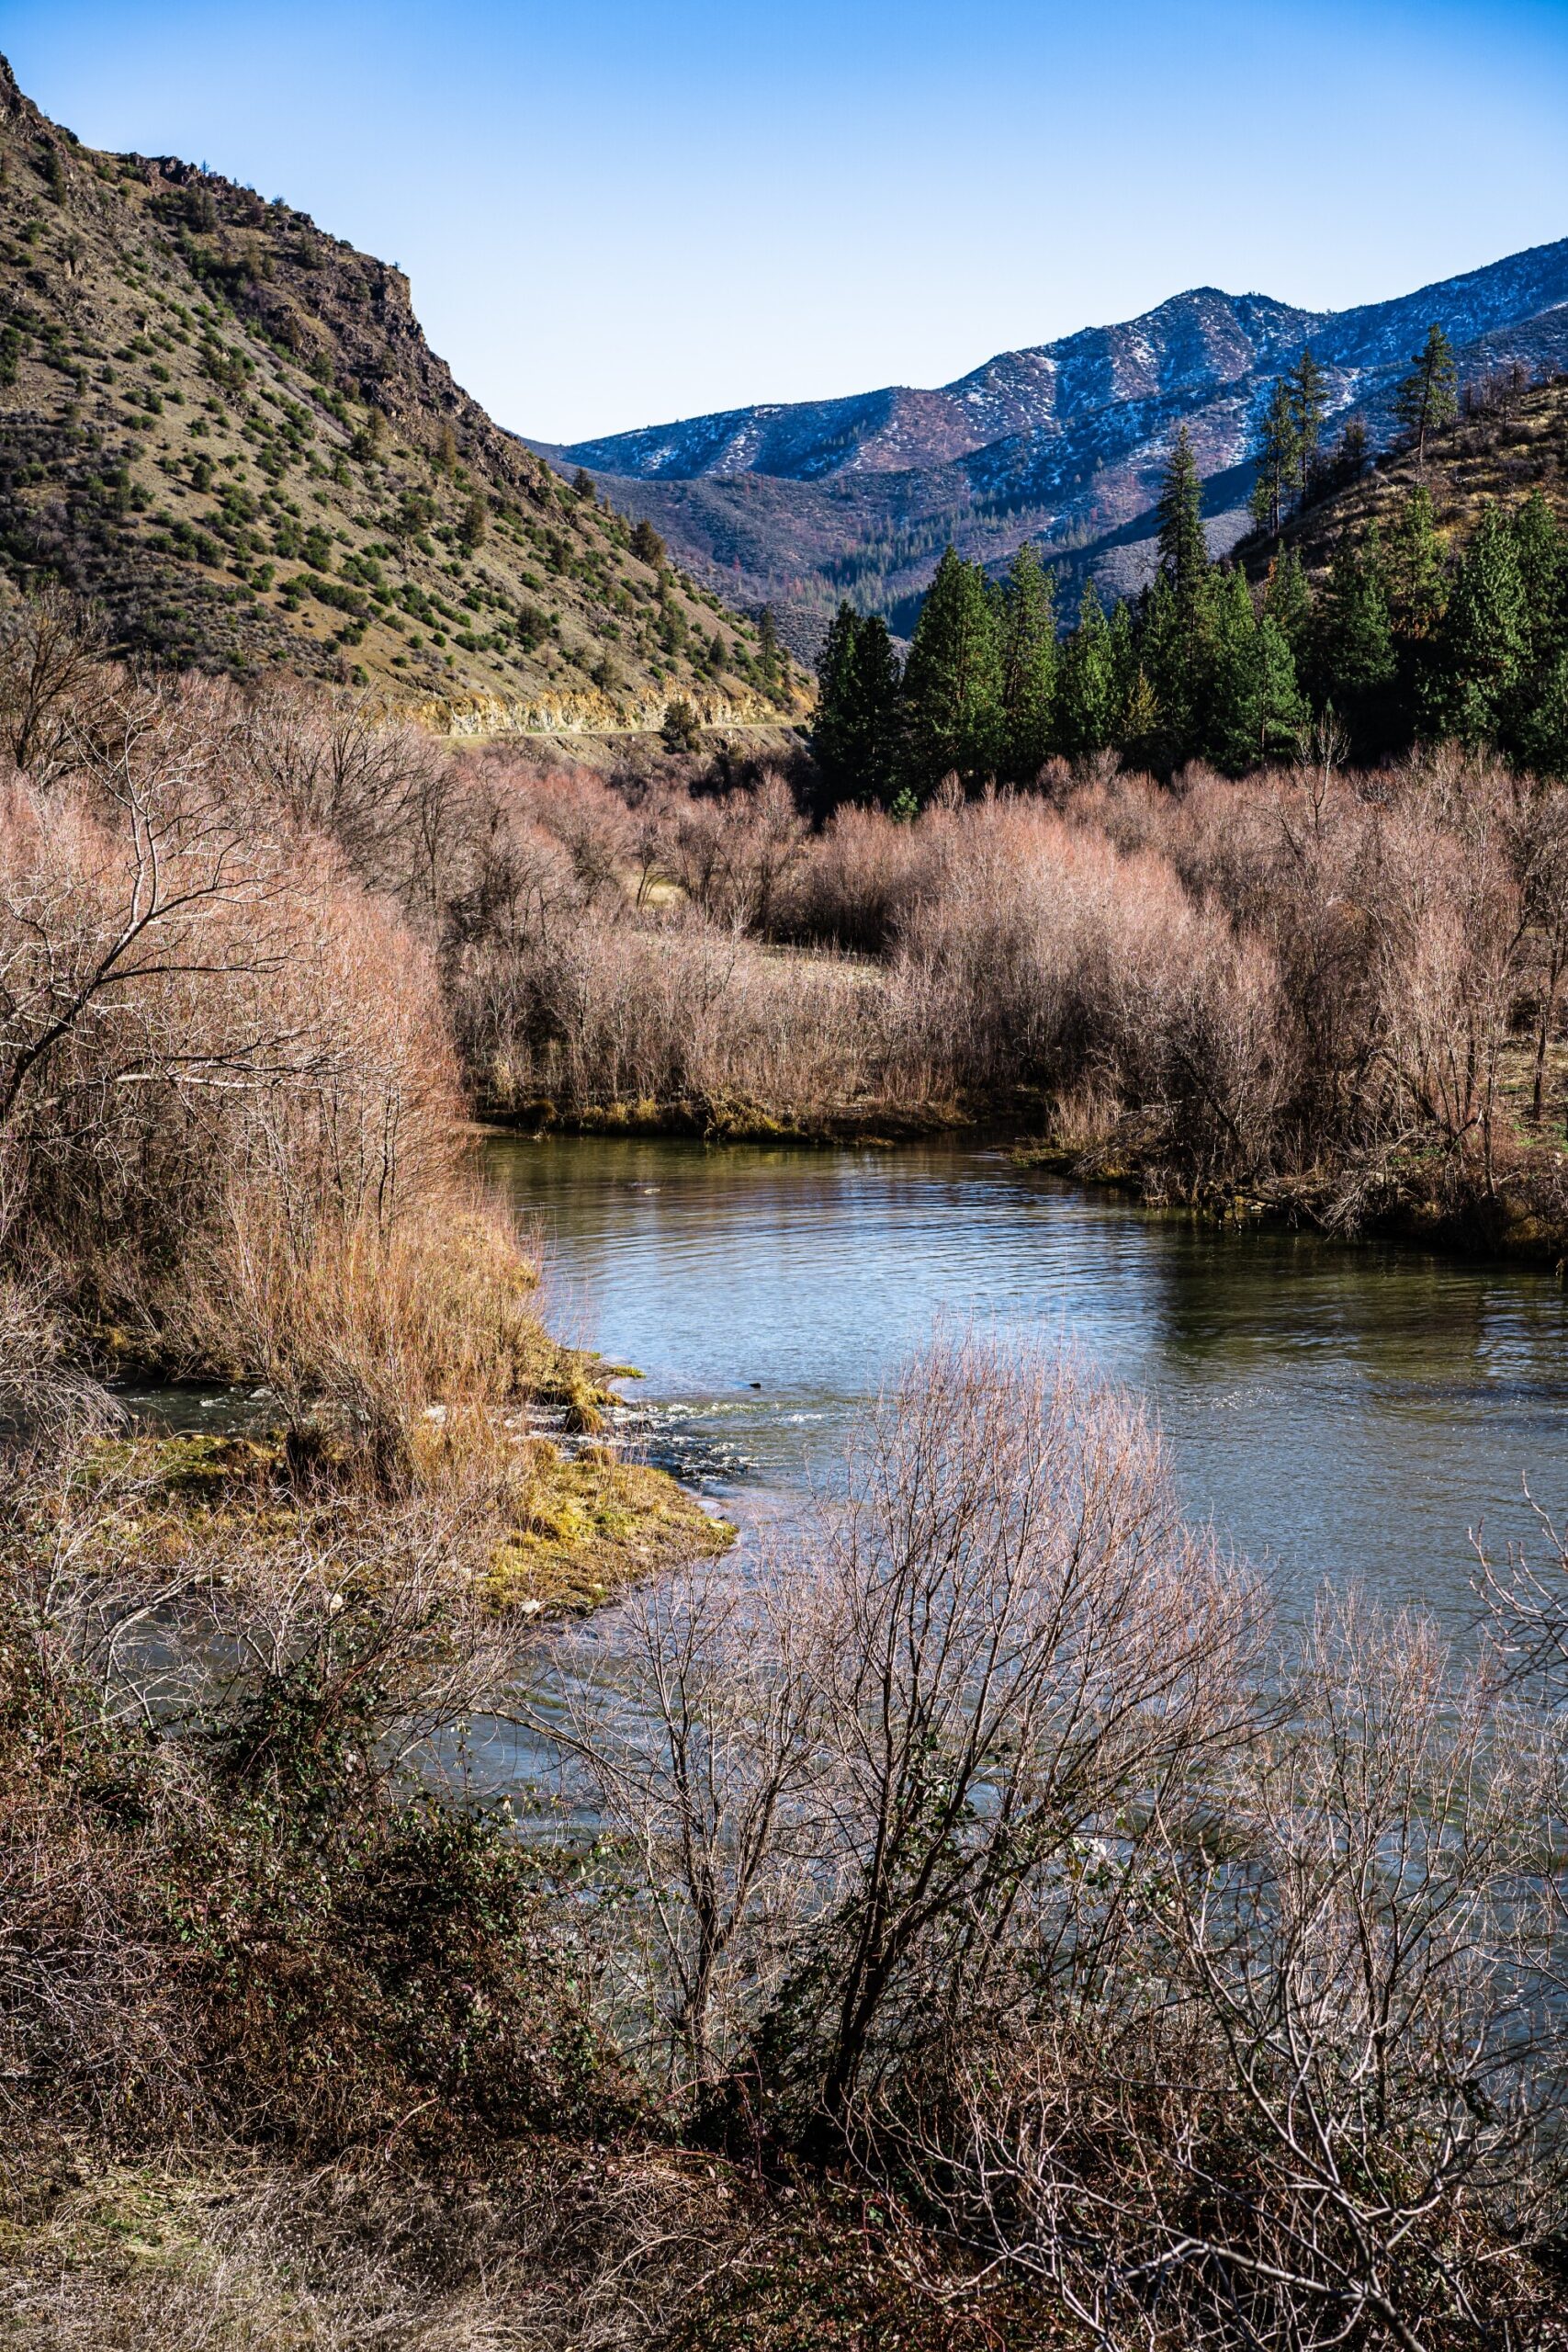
x: 1515, y: 443
x: 228, y: 426
x: 1064, y: 443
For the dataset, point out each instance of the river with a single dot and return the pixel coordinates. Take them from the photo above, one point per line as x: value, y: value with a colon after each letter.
x: 1341, y: 1412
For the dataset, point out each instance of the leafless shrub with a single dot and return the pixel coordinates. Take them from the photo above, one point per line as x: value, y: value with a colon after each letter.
x: 841, y: 1790
x: 699, y: 1748
x: 1315, y: 2089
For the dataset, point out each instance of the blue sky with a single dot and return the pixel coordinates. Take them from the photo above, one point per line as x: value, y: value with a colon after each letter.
x: 616, y: 214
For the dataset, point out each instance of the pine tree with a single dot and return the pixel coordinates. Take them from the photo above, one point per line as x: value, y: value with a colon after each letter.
x: 1086, y: 702
x: 1183, y: 550
x: 877, y: 710
x: 1541, y: 550
x: 1280, y: 712
x: 1029, y: 666
x: 1483, y: 644
x: 1542, y: 733
x: 1287, y: 600
x: 1349, y: 460
x: 1255, y: 710
x: 953, y: 684
x: 1418, y: 589
x: 1309, y: 405
x: 1175, y: 630
x: 833, y: 729
x: 1124, y: 662
x: 1138, y: 726
x: 647, y: 545
x: 1277, y: 455
x: 1355, y: 664
x: 1425, y: 400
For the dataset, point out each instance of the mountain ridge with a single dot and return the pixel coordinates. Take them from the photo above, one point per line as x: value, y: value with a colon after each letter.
x: 1061, y: 442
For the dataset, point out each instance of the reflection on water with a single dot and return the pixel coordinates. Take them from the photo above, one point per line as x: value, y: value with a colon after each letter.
x: 1339, y: 1411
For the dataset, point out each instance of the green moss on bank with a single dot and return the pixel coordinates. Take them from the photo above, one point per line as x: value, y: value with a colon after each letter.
x: 569, y: 1529
x: 593, y: 1526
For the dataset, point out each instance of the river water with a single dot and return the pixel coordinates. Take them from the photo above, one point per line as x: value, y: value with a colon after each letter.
x: 1342, y: 1413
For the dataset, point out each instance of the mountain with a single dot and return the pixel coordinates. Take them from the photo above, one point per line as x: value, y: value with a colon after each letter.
x: 227, y: 427
x: 803, y: 503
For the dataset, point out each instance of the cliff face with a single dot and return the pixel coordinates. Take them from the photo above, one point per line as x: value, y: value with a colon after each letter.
x: 1063, y: 443
x: 227, y: 427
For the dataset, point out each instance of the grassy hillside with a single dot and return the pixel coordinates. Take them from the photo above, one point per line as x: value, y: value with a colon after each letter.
x: 1514, y: 441
x: 227, y: 426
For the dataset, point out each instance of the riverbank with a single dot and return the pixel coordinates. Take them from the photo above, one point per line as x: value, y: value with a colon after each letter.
x: 1421, y: 1200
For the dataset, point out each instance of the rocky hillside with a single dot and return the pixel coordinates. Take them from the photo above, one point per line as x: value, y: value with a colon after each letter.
x: 227, y: 426
x: 1064, y: 443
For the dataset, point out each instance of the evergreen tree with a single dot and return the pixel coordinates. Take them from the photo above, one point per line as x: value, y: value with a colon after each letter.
x: 1277, y: 455
x: 1309, y: 405
x: 832, y: 732
x: 1183, y: 550
x: 1280, y: 712
x: 1483, y: 644
x: 1175, y: 630
x: 1541, y: 550
x: 953, y: 686
x: 1542, y: 733
x: 878, y: 710
x: 1029, y: 665
x: 1124, y: 663
x: 1418, y: 589
x: 473, y: 524
x: 1253, y: 710
x: 1355, y: 664
x: 1138, y: 728
x: 1425, y: 400
x: 1087, y: 701
x: 1349, y: 462
x: 1287, y: 600
x: 647, y: 545
x: 856, y: 736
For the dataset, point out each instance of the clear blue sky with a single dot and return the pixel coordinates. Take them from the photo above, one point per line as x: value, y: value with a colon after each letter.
x: 616, y: 214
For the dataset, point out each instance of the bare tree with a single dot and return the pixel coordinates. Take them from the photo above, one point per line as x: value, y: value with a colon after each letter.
x: 52, y: 649
x: 1020, y: 1639
x: 699, y: 1746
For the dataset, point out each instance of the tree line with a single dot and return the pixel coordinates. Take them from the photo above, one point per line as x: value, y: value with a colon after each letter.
x: 1401, y: 641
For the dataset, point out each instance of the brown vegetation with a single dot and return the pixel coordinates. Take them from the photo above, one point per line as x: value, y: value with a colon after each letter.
x: 991, y: 1844
x: 1340, y: 992
x: 992, y: 1934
